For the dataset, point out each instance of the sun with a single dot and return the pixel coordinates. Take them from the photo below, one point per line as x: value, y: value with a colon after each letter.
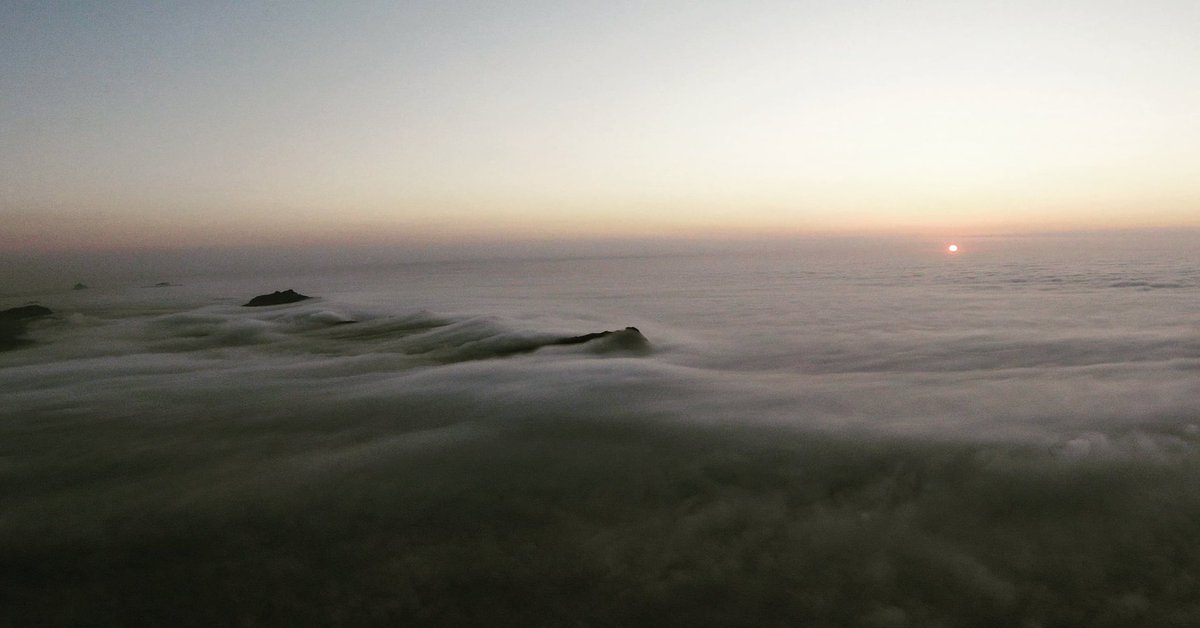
x: 953, y: 248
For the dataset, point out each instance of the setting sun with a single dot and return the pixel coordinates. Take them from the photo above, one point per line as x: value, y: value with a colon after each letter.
x: 953, y: 248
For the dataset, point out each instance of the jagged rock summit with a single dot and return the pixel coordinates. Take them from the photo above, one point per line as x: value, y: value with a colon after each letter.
x: 628, y: 339
x: 276, y: 298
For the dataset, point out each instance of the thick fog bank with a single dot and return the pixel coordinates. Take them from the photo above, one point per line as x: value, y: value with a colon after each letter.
x: 801, y: 444
x: 351, y: 518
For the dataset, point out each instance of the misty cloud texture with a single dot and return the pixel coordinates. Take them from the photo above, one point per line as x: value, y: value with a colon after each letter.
x: 938, y: 443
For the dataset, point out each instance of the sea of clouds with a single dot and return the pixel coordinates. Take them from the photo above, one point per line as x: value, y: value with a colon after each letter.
x: 804, y: 444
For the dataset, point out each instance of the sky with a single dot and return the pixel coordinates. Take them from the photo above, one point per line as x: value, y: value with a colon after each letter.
x: 171, y: 125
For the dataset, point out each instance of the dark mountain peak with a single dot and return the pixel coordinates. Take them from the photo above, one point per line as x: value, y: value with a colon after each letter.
x: 276, y: 298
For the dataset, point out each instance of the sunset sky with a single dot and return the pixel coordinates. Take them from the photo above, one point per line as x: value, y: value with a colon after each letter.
x: 128, y: 125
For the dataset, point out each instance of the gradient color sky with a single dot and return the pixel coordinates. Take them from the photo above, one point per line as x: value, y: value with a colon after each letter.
x: 128, y: 125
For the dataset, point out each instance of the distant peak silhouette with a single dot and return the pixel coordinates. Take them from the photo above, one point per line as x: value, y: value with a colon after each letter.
x: 24, y: 312
x: 276, y: 298
x: 12, y: 324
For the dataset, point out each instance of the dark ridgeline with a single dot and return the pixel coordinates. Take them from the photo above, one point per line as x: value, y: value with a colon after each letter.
x: 13, y: 322
x: 630, y: 339
x: 276, y: 298
x: 24, y: 312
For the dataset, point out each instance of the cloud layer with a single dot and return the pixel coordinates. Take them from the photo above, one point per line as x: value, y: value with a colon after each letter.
x: 895, y: 456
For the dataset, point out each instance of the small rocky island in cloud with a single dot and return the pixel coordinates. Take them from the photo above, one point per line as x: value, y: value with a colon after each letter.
x: 276, y: 298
